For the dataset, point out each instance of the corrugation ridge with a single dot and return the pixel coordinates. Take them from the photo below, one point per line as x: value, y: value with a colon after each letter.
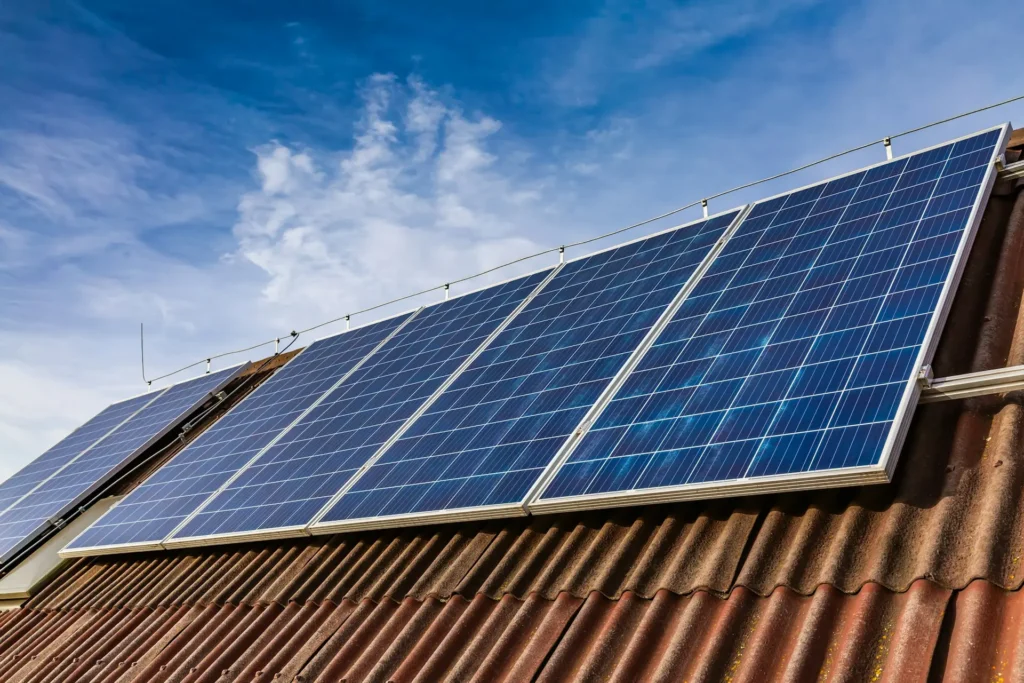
x: 186, y: 650
x: 307, y: 633
x: 275, y: 565
x: 128, y: 654
x: 291, y: 577
x: 236, y: 635
x: 248, y: 576
x: 94, y: 652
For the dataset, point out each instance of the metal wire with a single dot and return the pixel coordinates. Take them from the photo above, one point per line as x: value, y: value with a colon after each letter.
x: 606, y: 235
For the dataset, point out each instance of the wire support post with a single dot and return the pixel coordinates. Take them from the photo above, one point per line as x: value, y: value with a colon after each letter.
x: 447, y: 290
x: 561, y: 254
x: 887, y: 143
x: 348, y: 323
x: 704, y: 207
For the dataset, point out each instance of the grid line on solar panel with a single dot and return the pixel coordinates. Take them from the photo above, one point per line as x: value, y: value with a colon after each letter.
x: 153, y: 510
x: 281, y: 492
x: 485, y: 441
x: 68, y: 486
x: 797, y: 350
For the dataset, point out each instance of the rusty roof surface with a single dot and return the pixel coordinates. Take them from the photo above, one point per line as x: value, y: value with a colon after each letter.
x: 925, y: 632
x: 914, y: 580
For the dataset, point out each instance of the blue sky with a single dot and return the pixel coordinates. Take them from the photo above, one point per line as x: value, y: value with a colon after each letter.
x: 226, y: 172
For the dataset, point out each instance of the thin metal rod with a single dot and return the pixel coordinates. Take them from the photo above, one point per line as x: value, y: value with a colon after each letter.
x: 142, y: 353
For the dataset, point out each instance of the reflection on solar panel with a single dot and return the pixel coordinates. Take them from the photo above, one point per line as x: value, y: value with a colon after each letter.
x: 150, y: 512
x: 793, y: 362
x: 488, y: 437
x: 95, y: 453
x: 300, y: 473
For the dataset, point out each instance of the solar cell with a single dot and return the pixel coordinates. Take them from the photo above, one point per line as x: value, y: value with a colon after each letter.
x: 793, y: 361
x: 281, y: 492
x: 150, y: 512
x: 484, y: 442
x: 83, y: 470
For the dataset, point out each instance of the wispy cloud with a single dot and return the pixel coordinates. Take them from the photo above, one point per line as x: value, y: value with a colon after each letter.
x: 622, y: 39
x: 420, y: 196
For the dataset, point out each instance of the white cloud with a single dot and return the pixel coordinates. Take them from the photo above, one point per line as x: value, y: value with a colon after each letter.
x: 420, y: 196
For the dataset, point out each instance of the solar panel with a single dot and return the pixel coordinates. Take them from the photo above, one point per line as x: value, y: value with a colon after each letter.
x: 85, y: 470
x: 150, y: 512
x: 43, y: 467
x: 484, y: 442
x: 793, y: 362
x: 281, y: 492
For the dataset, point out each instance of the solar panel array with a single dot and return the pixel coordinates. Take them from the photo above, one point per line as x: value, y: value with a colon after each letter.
x: 487, y: 439
x: 793, y: 354
x: 53, y: 484
x: 300, y: 473
x: 775, y: 347
x: 152, y: 511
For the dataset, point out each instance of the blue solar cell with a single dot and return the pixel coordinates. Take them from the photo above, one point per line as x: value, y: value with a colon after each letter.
x: 794, y: 352
x: 137, y: 423
x: 150, y: 512
x: 488, y: 437
x: 43, y: 467
x: 299, y: 474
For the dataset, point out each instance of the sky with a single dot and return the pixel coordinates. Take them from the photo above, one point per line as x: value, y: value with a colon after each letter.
x: 227, y: 172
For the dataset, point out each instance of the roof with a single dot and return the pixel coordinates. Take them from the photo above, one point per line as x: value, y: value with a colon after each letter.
x: 916, y: 579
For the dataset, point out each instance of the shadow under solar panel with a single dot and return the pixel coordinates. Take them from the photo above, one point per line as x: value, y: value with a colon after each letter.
x: 794, y: 362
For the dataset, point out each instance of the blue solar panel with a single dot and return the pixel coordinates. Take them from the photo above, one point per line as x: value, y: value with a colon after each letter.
x: 154, y: 509
x: 91, y: 469
x: 797, y: 349
x: 299, y: 474
x: 488, y: 437
x: 43, y: 467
